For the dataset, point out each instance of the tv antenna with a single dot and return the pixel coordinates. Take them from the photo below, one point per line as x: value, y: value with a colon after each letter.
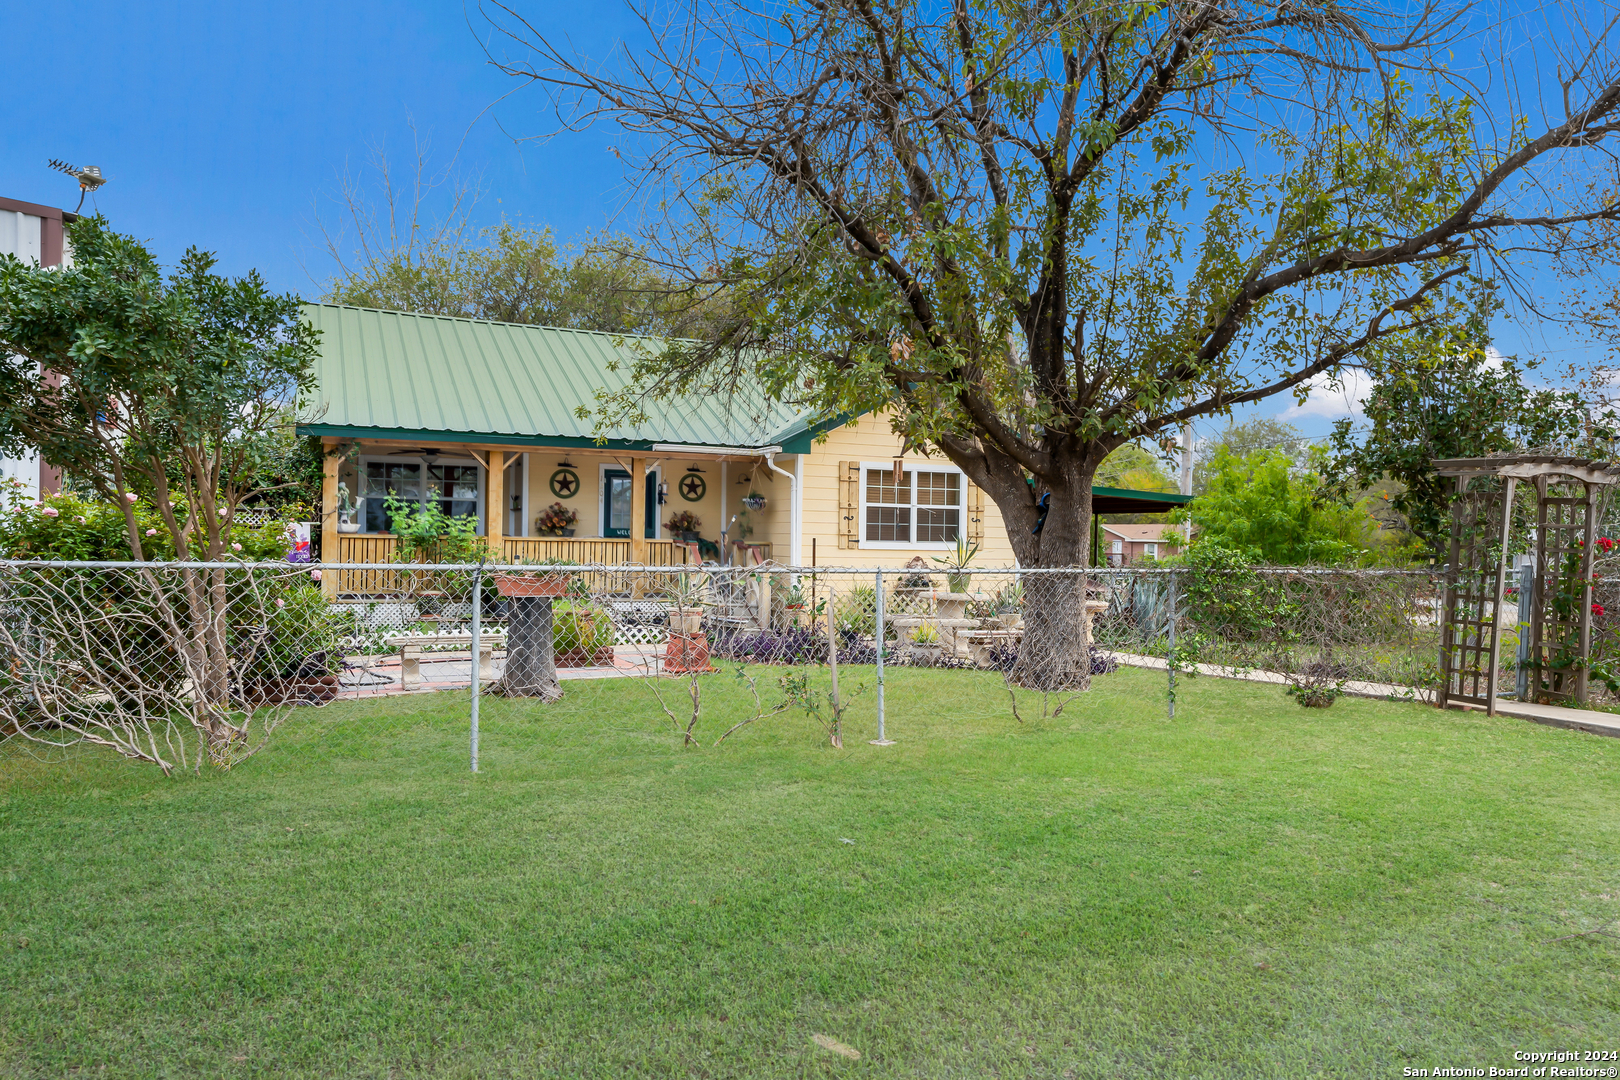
x: 89, y: 177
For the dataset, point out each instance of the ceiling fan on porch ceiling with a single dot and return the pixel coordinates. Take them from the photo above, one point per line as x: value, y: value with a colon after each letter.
x: 421, y: 451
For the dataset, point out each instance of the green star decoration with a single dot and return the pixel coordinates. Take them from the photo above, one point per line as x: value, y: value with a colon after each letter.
x: 565, y: 483
x: 692, y: 487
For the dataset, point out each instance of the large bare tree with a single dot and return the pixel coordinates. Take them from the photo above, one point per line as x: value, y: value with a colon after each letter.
x: 1033, y: 231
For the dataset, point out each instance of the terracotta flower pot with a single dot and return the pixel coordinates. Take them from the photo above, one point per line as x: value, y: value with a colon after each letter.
x: 552, y: 585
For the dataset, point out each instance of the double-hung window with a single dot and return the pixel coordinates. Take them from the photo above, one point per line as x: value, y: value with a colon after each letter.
x: 917, y: 508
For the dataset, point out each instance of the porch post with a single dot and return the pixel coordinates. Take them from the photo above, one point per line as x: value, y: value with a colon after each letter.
x: 495, y: 506
x: 638, y: 510
x: 329, y: 532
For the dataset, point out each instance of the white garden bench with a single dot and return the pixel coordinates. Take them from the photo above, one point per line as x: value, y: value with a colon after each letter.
x: 411, y: 645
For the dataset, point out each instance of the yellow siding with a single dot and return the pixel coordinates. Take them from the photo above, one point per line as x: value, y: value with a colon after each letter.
x: 870, y: 439
x: 587, y: 503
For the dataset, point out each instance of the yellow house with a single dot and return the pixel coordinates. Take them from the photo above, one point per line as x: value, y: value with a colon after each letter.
x: 493, y: 421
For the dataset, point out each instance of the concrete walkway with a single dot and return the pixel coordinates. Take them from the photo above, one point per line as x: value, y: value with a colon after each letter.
x: 1598, y: 723
x: 378, y: 676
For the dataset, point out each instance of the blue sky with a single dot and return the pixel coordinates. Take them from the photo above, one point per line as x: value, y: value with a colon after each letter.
x: 227, y: 125
x: 223, y: 124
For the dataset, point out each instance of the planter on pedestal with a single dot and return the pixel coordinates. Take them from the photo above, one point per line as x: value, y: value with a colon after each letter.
x: 514, y: 585
x: 685, y: 620
x: 923, y: 655
x: 688, y: 648
x: 687, y: 653
x: 531, y: 662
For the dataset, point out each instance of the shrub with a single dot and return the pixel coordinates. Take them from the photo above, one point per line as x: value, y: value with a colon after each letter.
x: 302, y: 635
x: 69, y: 527
x: 857, y: 611
x: 581, y: 628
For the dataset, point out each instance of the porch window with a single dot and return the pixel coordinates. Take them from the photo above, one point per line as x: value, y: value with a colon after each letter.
x: 920, y: 508
x: 399, y: 479
x: 453, y: 488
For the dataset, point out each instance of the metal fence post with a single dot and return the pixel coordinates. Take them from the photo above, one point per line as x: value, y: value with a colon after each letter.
x: 882, y: 739
x: 477, y: 641
x: 1170, y: 650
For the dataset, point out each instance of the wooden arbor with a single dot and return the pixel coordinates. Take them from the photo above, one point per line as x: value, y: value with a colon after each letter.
x: 1570, y: 493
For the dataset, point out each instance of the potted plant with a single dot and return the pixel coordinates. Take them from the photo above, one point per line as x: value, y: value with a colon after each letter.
x: 582, y: 636
x: 957, y: 578
x: 916, y: 581
x: 798, y: 609
x: 557, y: 520
x: 754, y: 501
x: 1316, y: 684
x: 684, y: 525
x: 686, y: 604
x: 926, y: 646
x: 1010, y: 606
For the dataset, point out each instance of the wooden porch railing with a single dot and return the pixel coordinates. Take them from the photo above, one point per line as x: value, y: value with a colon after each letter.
x: 584, y: 550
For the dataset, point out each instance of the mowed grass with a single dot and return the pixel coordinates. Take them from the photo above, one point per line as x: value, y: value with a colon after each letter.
x: 1253, y: 889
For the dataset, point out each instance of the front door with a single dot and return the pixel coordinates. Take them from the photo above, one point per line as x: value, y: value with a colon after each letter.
x: 616, y: 504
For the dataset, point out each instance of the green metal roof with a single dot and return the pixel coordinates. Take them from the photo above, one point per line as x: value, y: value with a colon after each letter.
x: 1108, y: 500
x: 396, y: 375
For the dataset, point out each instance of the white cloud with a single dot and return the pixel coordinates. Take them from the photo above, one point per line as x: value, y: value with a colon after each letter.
x: 1329, y: 402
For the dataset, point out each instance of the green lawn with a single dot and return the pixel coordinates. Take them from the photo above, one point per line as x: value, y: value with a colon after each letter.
x: 1252, y: 890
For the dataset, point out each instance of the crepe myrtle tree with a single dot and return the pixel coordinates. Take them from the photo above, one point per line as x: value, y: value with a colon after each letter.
x: 1033, y: 231
x: 173, y: 387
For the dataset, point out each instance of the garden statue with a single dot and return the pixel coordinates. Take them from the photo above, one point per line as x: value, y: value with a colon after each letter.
x: 346, y: 509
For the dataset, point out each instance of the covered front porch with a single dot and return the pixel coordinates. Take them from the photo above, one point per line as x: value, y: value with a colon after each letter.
x: 533, y: 503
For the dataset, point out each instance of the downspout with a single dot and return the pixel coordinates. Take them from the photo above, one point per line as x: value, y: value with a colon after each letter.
x: 793, y: 504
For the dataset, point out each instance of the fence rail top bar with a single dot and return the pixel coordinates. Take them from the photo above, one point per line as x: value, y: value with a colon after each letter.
x: 704, y: 568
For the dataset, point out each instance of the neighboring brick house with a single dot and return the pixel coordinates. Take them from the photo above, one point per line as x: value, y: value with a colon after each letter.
x: 1125, y: 544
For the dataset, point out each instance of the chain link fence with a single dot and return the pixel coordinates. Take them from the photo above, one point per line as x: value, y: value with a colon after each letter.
x: 186, y: 665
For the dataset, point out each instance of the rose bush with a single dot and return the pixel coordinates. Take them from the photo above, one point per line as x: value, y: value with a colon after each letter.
x: 66, y: 526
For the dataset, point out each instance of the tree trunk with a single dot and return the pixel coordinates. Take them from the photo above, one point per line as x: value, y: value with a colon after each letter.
x: 1053, y: 654
x: 531, y: 662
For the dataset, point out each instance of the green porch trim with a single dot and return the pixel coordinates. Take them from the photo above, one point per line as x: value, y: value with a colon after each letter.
x: 801, y: 444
